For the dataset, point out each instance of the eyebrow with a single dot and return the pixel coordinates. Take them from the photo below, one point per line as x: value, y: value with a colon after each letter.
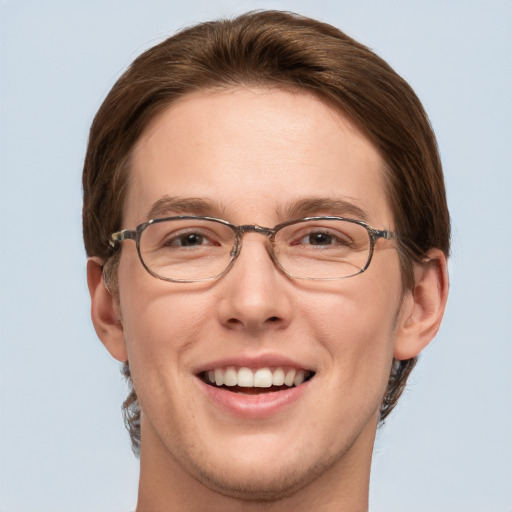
x: 313, y: 206
x: 167, y: 206
x: 304, y: 207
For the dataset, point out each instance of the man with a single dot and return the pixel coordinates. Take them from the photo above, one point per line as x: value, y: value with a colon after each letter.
x: 267, y: 232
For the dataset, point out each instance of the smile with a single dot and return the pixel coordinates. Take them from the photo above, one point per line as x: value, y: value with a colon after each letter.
x: 246, y: 380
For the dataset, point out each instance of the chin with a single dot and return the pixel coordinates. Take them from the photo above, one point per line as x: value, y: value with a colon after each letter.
x: 263, y: 482
x: 257, y: 487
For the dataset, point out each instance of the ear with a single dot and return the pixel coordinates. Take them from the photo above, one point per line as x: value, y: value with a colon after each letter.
x: 105, y: 312
x: 423, y: 306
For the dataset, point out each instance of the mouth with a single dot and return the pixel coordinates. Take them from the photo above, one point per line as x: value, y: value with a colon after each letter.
x: 255, y: 381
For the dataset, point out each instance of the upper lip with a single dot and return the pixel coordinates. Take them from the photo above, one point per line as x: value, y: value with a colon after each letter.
x: 249, y: 361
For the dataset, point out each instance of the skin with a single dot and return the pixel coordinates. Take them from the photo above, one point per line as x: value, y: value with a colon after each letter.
x: 254, y: 152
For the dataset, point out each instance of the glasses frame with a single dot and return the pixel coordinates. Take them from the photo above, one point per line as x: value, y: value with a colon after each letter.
x: 270, y: 233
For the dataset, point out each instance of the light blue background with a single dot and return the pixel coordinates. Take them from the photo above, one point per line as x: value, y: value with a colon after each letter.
x: 447, y: 447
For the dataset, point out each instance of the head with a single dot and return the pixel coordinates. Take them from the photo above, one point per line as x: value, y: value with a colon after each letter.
x: 277, y: 53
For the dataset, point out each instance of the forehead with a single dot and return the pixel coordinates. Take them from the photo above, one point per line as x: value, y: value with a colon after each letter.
x: 250, y: 153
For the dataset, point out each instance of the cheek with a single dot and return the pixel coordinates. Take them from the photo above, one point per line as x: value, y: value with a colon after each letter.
x: 161, y: 329
x: 160, y: 324
x: 161, y: 320
x: 356, y: 326
x: 360, y: 305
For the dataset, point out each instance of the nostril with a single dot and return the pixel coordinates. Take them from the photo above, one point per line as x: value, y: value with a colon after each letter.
x: 273, y: 319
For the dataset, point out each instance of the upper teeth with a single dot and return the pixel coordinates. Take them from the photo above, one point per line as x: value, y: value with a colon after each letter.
x: 258, y: 378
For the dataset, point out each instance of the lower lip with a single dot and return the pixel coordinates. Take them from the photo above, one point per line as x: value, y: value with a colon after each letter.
x: 254, y: 406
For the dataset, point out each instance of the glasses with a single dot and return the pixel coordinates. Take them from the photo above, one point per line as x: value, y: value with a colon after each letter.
x: 188, y: 249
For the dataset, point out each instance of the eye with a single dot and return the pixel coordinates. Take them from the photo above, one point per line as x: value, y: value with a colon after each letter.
x: 192, y: 238
x: 322, y: 238
x: 186, y: 237
x: 188, y: 240
x: 318, y: 238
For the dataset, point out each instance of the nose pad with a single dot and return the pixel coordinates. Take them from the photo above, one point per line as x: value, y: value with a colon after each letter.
x: 254, y: 293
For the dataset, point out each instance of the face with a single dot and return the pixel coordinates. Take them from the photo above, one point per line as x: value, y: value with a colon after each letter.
x: 258, y: 156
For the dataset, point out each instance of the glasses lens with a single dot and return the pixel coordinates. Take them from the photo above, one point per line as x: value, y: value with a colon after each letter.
x: 323, y: 249
x: 187, y: 249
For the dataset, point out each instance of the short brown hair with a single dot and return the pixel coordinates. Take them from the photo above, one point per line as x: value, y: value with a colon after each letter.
x: 272, y: 49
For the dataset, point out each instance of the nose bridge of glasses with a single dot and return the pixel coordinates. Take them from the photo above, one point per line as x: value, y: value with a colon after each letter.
x: 254, y: 228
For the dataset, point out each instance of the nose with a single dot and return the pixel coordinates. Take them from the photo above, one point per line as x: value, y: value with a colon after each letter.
x: 254, y: 295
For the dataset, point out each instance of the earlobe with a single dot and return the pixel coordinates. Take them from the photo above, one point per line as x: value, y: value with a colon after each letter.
x: 423, y: 306
x: 105, y: 312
